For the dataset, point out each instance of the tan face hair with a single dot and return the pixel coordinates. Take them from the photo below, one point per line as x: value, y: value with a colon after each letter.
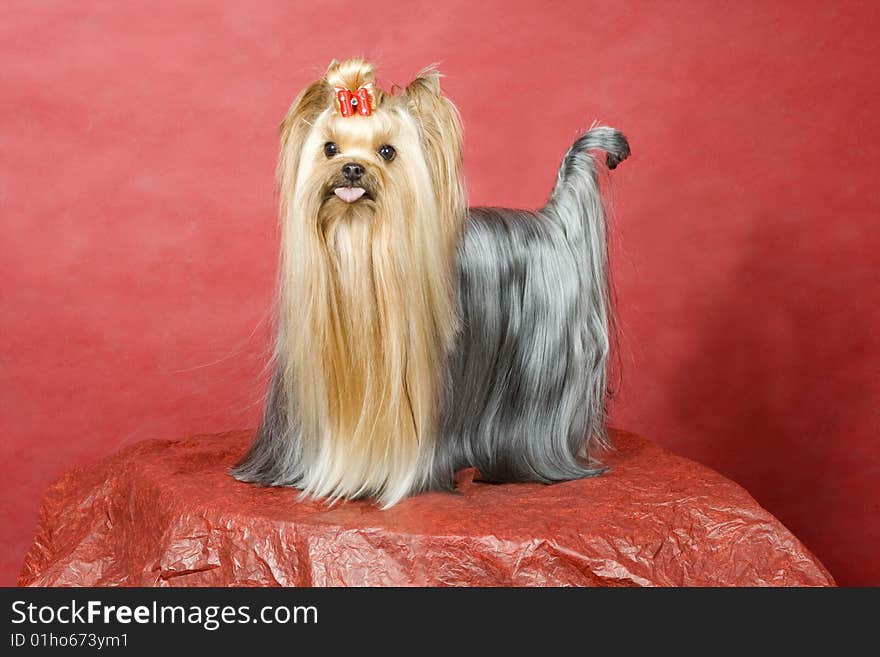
x: 367, y: 304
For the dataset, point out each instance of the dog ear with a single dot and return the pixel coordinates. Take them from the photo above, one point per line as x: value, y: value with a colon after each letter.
x: 295, y: 127
x: 440, y: 133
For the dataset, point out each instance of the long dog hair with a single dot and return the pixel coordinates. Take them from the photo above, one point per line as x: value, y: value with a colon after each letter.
x: 416, y: 337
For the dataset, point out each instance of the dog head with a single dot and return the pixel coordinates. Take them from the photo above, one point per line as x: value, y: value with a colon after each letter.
x: 351, y: 151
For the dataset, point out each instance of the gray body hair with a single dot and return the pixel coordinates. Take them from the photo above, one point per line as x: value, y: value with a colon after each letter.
x: 525, y: 387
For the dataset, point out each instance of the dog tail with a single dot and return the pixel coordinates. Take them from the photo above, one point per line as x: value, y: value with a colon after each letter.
x: 577, y: 207
x: 577, y: 183
x: 576, y: 201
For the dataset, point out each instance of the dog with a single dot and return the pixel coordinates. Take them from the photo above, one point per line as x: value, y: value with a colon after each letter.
x: 415, y: 336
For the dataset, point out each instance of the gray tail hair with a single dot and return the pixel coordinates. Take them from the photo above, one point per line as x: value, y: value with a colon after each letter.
x: 576, y: 206
x: 579, y: 167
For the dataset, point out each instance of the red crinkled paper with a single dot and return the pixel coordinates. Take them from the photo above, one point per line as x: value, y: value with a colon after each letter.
x: 167, y: 513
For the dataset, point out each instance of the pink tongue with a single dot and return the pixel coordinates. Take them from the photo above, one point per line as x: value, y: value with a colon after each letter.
x: 349, y: 194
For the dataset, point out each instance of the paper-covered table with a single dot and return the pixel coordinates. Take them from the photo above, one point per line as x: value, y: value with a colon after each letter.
x: 167, y: 513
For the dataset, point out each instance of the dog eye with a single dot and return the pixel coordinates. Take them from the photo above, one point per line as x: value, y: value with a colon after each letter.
x: 387, y: 152
x: 330, y: 149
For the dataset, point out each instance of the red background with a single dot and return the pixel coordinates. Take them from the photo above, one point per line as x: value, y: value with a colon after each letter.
x: 137, y: 148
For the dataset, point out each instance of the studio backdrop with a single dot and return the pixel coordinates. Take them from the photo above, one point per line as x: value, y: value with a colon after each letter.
x: 139, y: 230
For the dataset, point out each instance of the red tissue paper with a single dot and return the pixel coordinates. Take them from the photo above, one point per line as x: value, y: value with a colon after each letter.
x: 167, y: 513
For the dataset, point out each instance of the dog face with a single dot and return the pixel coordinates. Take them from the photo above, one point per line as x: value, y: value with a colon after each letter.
x: 369, y: 168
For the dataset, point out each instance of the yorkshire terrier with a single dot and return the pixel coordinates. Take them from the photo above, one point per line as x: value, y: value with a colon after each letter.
x: 417, y: 336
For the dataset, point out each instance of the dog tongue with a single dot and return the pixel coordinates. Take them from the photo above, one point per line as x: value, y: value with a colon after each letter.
x: 349, y: 194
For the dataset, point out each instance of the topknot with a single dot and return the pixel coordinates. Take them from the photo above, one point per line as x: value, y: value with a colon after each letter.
x: 350, y: 74
x: 352, y: 83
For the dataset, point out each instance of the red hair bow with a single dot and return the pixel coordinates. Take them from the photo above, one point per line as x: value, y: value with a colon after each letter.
x: 359, y: 101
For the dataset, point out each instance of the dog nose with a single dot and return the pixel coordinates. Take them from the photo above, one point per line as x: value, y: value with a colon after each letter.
x: 352, y: 171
